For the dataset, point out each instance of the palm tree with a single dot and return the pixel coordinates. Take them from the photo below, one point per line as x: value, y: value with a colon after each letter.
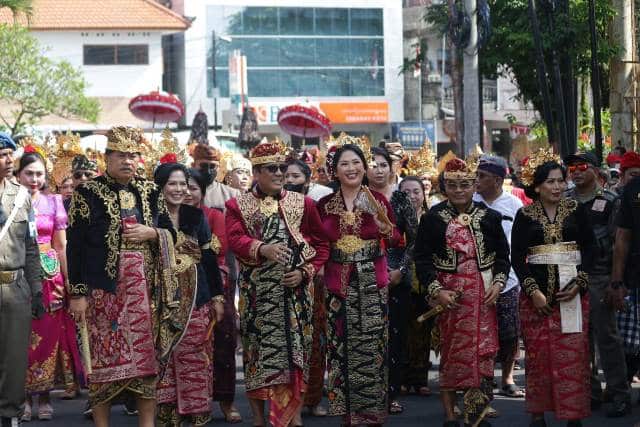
x: 17, y: 7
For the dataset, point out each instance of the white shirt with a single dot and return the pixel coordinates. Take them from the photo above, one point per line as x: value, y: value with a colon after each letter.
x: 508, y: 205
x: 318, y: 191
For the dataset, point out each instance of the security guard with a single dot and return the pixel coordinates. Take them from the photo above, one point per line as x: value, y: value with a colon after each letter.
x: 20, y: 285
x: 583, y: 170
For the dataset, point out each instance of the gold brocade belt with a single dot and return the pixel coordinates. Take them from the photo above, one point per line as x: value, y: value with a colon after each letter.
x: 351, y: 248
x: 8, y: 277
x: 553, y: 248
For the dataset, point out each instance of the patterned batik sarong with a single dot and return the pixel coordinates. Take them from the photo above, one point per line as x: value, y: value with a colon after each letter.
x: 184, y: 392
x: 357, y: 350
x: 276, y: 331
x: 318, y: 359
x: 121, y: 340
x: 508, y: 324
x: 558, y: 377
x: 469, y: 333
x: 54, y: 359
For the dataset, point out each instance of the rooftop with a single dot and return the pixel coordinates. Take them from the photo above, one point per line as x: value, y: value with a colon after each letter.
x: 64, y: 15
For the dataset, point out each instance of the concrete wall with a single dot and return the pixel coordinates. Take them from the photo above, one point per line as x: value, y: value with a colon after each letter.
x: 108, y: 80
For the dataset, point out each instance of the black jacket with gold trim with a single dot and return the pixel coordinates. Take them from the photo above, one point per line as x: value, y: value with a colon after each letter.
x: 94, y: 235
x: 432, y: 255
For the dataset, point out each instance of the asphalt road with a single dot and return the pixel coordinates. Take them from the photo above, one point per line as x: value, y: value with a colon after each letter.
x: 419, y: 411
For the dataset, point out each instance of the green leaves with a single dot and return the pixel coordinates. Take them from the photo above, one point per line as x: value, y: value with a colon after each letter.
x: 36, y: 86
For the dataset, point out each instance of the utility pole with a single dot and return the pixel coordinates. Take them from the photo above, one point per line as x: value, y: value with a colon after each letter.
x: 620, y: 70
x: 471, y: 89
x: 214, y: 81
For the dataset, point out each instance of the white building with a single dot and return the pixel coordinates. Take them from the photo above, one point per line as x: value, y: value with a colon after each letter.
x: 117, y: 44
x: 344, y: 57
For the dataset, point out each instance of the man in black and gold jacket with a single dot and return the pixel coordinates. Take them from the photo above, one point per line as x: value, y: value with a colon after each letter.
x: 120, y: 239
x: 462, y: 258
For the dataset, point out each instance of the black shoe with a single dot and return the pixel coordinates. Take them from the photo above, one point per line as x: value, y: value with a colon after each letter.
x: 452, y: 423
x: 540, y: 422
x: 574, y: 423
x: 619, y: 409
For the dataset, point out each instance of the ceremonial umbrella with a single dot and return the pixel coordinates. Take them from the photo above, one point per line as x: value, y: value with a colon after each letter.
x: 304, y: 120
x: 157, y: 106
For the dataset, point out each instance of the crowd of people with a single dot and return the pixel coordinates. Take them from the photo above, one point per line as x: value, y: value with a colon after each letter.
x: 137, y: 274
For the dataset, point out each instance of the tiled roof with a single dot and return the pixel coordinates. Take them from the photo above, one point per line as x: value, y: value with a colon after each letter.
x: 63, y: 15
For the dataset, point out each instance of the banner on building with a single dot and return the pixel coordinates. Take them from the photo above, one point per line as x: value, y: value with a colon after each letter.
x: 356, y: 112
x: 238, y: 87
x: 412, y: 135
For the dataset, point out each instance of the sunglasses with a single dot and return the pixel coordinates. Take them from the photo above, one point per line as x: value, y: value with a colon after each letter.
x: 274, y: 168
x: 581, y: 167
x: 80, y: 174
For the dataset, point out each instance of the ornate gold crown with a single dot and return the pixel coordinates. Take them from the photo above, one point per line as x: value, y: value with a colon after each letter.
x: 126, y: 139
x: 422, y: 162
x: 66, y: 148
x: 362, y: 143
x: 269, y: 152
x: 458, y: 169
x: 535, y: 160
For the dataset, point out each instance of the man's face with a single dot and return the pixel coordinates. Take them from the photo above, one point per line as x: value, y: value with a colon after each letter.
x: 81, y: 176
x: 270, y: 177
x: 460, y: 191
x: 487, y: 183
x: 122, y: 166
x: 583, y: 174
x: 6, y: 163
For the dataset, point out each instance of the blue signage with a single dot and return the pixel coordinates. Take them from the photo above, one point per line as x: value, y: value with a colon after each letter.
x: 412, y: 135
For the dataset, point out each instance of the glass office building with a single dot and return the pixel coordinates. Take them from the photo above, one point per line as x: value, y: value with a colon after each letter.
x: 299, y: 51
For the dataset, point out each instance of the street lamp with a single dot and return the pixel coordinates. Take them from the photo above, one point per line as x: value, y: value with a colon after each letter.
x: 216, y: 90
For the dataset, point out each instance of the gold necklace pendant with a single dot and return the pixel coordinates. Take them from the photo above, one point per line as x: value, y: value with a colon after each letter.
x: 349, y: 218
x: 464, y: 219
x: 127, y: 199
x: 268, y: 206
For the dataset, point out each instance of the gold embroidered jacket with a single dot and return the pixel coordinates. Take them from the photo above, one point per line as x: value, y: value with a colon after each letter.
x: 532, y: 227
x: 95, y: 228
x: 432, y: 255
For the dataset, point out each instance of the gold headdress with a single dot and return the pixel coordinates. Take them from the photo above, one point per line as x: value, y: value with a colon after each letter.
x: 458, y: 169
x: 444, y: 160
x: 166, y: 151
x: 361, y: 142
x: 126, y: 139
x: 231, y: 161
x: 422, y: 162
x: 269, y: 152
x: 535, y: 160
x: 29, y: 144
x: 66, y: 148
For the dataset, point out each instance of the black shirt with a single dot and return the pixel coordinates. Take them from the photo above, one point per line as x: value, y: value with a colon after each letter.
x: 629, y: 218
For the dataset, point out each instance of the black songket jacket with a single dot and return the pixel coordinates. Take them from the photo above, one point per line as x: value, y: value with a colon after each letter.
x: 432, y: 255
x: 194, y: 224
x: 94, y: 236
x: 532, y: 227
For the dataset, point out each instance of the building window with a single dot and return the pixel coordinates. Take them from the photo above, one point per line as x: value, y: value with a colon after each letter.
x: 298, y: 51
x: 116, y: 54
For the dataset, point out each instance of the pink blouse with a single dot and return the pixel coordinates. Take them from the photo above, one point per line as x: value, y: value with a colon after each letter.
x: 50, y: 216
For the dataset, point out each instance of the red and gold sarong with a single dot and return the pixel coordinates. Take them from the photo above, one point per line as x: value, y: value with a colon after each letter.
x: 123, y: 357
x: 284, y: 399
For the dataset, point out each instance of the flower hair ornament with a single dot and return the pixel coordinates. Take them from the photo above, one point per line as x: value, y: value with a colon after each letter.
x: 534, y: 161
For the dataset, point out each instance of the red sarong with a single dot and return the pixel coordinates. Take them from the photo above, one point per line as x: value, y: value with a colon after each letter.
x: 469, y: 333
x: 284, y: 399
x: 557, y: 371
x: 120, y: 326
x: 188, y: 379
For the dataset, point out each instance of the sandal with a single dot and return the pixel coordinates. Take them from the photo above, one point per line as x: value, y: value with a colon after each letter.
x: 423, y: 391
x: 45, y: 412
x: 512, y: 390
x: 492, y: 413
x: 26, y: 415
x: 395, y: 407
x: 70, y: 393
x: 318, y: 411
x: 232, y: 416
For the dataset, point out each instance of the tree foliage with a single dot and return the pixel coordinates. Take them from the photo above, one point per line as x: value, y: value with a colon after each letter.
x: 17, y: 7
x: 510, y: 50
x: 35, y: 86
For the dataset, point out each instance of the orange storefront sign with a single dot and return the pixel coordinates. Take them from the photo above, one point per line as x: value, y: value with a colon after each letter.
x: 356, y: 112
